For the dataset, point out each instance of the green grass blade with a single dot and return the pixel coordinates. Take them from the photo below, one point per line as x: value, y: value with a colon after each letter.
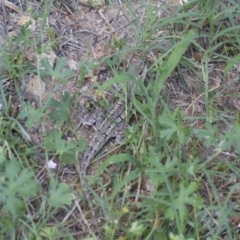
x: 173, y: 60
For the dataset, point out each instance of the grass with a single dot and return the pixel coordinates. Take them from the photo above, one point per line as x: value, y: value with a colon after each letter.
x: 176, y: 174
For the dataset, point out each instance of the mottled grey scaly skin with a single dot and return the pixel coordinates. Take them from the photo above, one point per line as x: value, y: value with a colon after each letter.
x: 107, y: 130
x: 115, y: 115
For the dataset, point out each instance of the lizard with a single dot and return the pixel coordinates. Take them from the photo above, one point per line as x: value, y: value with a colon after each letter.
x: 115, y: 116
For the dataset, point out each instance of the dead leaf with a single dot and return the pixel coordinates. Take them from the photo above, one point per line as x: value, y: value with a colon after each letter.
x: 10, y: 5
